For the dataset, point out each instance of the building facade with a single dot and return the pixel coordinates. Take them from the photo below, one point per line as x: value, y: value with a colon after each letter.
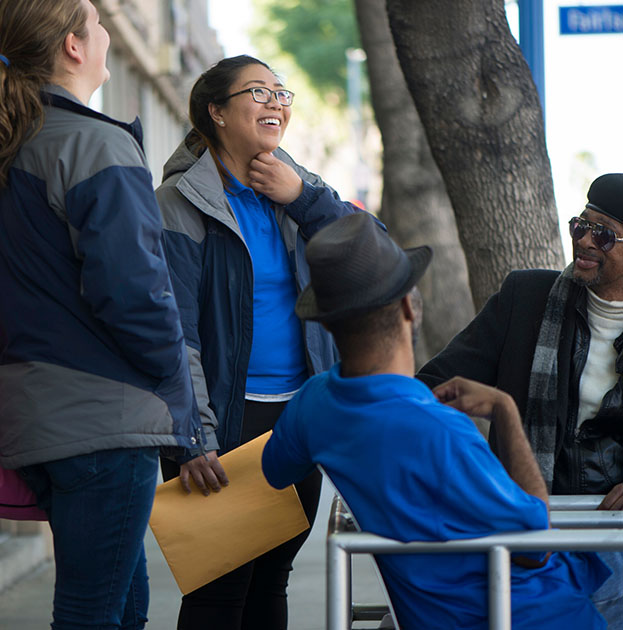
x: 158, y: 49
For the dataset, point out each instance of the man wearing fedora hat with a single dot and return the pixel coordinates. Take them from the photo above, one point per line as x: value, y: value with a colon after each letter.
x: 408, y: 466
x: 554, y: 342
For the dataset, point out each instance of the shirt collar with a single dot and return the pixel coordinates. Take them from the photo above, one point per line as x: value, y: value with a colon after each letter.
x: 235, y: 188
x: 375, y: 386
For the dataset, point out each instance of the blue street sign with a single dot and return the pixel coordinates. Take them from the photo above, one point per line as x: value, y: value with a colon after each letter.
x: 591, y: 20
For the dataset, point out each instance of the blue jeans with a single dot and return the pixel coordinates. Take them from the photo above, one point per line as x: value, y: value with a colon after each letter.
x: 608, y: 599
x: 99, y: 506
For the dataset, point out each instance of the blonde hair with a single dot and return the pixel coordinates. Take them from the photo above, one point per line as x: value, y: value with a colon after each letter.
x: 32, y: 33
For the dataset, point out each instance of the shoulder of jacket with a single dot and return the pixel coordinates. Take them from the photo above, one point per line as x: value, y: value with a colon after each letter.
x: 94, y: 144
x: 529, y: 285
x: 71, y: 150
x: 534, y: 277
x: 301, y: 171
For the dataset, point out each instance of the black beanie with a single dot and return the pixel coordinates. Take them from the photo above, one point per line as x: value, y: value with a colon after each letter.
x: 606, y: 195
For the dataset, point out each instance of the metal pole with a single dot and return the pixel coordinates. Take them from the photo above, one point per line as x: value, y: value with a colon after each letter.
x: 575, y: 501
x: 499, y: 589
x: 531, y: 42
x: 339, y: 590
x: 593, y: 519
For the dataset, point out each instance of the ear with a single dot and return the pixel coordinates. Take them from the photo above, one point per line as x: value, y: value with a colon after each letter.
x: 407, y: 308
x: 216, y: 112
x: 73, y: 47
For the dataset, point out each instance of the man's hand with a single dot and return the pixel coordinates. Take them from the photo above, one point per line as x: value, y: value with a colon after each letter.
x: 275, y: 179
x: 474, y: 399
x: 614, y: 499
x: 207, y: 473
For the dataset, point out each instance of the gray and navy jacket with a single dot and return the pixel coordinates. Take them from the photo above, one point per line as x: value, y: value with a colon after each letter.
x: 212, y: 276
x: 92, y: 355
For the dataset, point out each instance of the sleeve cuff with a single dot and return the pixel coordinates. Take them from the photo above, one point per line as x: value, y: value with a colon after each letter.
x: 207, y: 443
x: 187, y: 455
x: 210, y: 443
x: 308, y: 195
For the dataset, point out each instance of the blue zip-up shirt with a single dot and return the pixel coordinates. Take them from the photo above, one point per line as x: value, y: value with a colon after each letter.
x: 277, y: 363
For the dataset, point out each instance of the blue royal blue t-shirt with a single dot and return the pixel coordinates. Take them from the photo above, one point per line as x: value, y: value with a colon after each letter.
x: 277, y: 364
x: 411, y: 468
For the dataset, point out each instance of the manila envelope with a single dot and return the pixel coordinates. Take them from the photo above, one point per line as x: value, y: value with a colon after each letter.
x: 203, y: 537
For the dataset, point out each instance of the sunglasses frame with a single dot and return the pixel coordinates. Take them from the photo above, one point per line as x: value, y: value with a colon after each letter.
x: 598, y: 231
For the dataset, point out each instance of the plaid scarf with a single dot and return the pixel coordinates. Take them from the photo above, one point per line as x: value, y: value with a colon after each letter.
x: 541, y: 408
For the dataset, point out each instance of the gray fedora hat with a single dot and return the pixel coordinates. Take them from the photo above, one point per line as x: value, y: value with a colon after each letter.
x: 356, y: 267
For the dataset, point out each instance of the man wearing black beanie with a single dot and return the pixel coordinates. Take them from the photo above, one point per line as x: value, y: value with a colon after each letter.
x: 554, y: 341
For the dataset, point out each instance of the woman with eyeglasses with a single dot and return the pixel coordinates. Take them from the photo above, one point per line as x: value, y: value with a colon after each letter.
x: 237, y: 213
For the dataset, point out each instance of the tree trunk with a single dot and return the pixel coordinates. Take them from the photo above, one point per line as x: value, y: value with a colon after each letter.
x: 415, y: 205
x: 481, y: 113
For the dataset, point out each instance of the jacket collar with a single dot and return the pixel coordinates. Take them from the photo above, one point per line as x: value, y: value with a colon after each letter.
x: 196, y: 179
x: 200, y: 183
x: 57, y: 96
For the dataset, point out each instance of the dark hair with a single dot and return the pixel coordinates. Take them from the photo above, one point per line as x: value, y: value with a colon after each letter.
x: 377, y: 329
x: 213, y: 86
x: 32, y: 33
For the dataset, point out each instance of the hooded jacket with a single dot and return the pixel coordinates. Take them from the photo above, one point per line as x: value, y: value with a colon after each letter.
x: 212, y: 274
x: 91, y: 348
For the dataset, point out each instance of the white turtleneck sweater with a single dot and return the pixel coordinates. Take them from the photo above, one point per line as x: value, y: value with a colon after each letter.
x: 605, y: 320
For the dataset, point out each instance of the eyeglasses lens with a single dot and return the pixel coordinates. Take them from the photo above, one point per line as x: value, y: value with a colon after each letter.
x: 284, y: 97
x: 263, y: 95
x: 602, y: 236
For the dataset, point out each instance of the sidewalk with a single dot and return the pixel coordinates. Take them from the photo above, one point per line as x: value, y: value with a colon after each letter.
x: 27, y: 605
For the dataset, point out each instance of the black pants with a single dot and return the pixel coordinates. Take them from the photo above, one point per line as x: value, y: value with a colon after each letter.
x: 253, y: 596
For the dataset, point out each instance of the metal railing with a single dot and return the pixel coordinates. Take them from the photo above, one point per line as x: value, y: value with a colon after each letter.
x: 591, y: 531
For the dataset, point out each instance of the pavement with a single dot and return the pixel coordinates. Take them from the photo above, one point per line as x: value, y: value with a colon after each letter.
x: 27, y: 604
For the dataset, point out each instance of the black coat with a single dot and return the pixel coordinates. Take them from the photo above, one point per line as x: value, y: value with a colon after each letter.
x: 497, y: 348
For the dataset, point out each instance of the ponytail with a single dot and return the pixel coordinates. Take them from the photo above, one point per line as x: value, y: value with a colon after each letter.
x: 32, y: 33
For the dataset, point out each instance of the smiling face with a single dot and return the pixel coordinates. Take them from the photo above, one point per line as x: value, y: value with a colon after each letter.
x: 594, y: 268
x: 249, y: 128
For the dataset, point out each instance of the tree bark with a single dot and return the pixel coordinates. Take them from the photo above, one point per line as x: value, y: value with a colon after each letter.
x: 481, y: 113
x: 415, y: 205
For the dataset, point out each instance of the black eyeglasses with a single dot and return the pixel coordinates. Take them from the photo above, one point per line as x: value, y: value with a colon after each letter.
x: 602, y: 236
x: 264, y: 95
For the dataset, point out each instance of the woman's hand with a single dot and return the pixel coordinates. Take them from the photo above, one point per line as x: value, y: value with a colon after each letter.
x: 275, y: 179
x: 206, y: 471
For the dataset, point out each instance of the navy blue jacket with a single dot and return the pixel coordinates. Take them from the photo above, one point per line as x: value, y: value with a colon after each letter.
x: 91, y: 347
x: 212, y: 276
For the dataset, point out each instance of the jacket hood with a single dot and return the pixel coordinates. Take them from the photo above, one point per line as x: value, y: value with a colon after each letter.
x: 182, y: 158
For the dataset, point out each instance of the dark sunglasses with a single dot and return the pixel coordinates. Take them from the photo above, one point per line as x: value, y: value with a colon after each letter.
x: 603, y: 237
